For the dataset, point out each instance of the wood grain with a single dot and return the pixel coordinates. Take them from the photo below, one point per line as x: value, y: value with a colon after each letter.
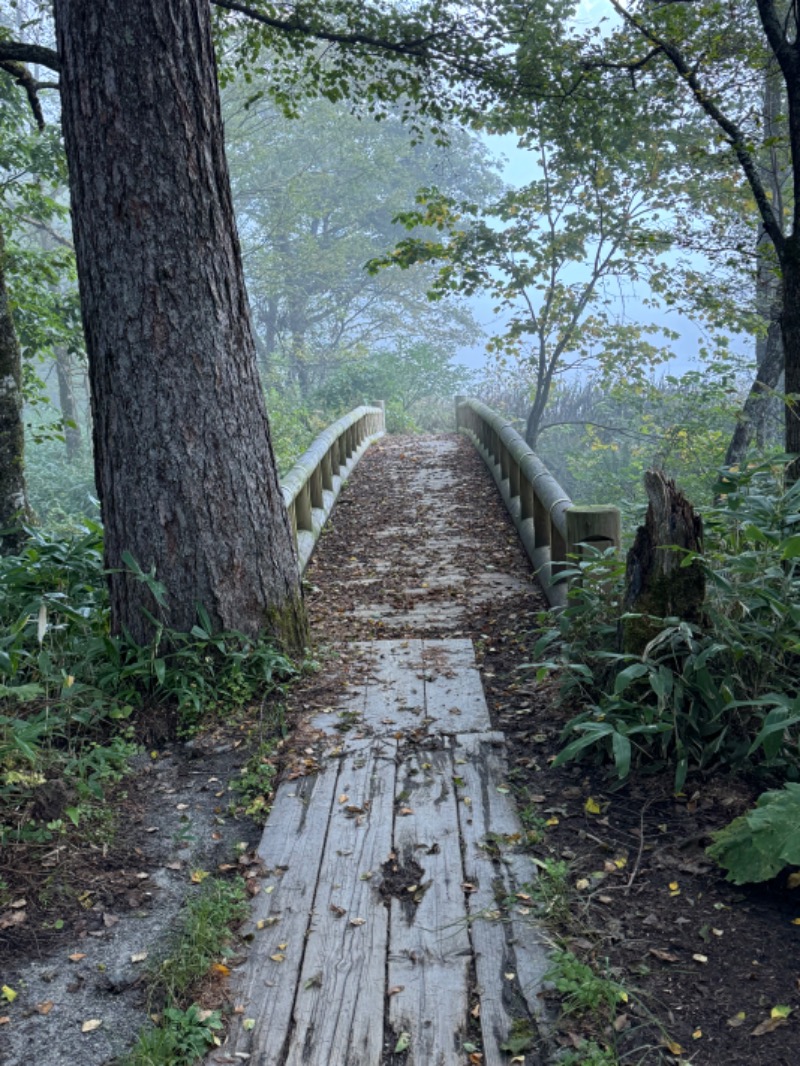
x: 429, y: 949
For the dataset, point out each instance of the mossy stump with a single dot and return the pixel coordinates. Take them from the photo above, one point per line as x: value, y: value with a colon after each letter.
x: 659, y: 583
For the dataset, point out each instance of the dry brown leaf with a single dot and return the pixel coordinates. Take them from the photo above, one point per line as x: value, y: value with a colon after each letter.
x: 90, y: 1025
x: 45, y: 1008
x: 664, y: 956
x: 77, y: 956
x: 769, y: 1025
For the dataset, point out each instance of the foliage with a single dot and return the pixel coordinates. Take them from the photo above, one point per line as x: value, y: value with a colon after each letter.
x: 185, y: 1032
x: 582, y: 990
x: 417, y: 381
x: 757, y: 846
x: 724, y: 695
x: 61, y: 492
x: 315, y: 199
x: 66, y: 683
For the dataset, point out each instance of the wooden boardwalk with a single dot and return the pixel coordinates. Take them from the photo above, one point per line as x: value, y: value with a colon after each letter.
x: 392, y: 925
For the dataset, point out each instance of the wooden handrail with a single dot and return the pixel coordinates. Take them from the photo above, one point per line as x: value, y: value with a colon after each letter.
x: 549, y: 524
x: 312, y: 485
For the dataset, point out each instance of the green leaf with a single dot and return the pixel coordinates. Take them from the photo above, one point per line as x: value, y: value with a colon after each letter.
x: 403, y: 1043
x: 756, y: 846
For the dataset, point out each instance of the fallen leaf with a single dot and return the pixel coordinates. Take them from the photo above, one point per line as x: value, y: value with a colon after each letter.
x: 700, y: 958
x: 403, y: 1043
x: 582, y: 884
x: 664, y: 956
x: 476, y: 1011
x: 221, y: 969
x: 91, y: 1025
x: 45, y: 1008
x: 344, y: 798
x: 793, y: 881
x: 358, y: 921
x: 621, y: 1022
x: 768, y: 1026
x: 5, y: 1020
x: 338, y: 911
x: 780, y: 1011
x: 77, y: 956
x: 591, y: 806
x: 315, y: 981
x: 248, y: 1024
x: 673, y: 1047
x: 406, y: 810
x: 197, y: 876
x: 737, y: 1020
x: 277, y: 957
x: 139, y: 956
x: 396, y: 990
x: 697, y: 1034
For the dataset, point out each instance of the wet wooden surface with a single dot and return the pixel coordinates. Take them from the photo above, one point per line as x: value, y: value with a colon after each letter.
x: 383, y: 915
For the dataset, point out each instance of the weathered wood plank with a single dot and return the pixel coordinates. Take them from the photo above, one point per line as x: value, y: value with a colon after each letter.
x: 291, y: 850
x: 454, y: 699
x: 429, y: 949
x: 395, y: 697
x: 338, y: 1011
x: 509, y: 959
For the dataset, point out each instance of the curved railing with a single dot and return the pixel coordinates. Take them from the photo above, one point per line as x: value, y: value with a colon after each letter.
x: 312, y: 485
x: 550, y: 526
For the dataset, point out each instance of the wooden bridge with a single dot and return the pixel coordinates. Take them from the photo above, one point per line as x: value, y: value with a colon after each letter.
x: 393, y: 923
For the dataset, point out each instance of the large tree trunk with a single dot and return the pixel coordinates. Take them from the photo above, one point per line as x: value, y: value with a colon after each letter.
x: 184, y: 464
x: 13, y: 497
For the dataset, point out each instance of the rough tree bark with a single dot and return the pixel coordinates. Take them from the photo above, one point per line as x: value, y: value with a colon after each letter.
x: 184, y: 463
x: 657, y: 583
x: 13, y: 497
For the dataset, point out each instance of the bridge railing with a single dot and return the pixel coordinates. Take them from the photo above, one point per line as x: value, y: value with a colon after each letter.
x: 312, y: 485
x: 549, y: 524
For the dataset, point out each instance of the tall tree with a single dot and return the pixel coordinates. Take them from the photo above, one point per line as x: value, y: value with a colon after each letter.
x: 184, y: 464
x: 717, y: 57
x: 13, y: 493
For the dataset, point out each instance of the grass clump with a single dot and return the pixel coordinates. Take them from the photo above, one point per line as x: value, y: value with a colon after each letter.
x: 185, y: 1031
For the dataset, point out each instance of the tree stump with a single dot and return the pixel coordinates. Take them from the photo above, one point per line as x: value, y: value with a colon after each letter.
x: 658, y: 584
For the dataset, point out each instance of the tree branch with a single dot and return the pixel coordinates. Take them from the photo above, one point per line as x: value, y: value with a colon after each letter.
x: 412, y: 47
x: 734, y: 135
x: 19, y: 52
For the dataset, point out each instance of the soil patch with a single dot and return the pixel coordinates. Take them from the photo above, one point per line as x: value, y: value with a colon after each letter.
x: 96, y: 912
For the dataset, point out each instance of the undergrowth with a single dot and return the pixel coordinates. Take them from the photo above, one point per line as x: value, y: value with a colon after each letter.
x: 722, y: 695
x: 184, y: 1032
x: 69, y: 687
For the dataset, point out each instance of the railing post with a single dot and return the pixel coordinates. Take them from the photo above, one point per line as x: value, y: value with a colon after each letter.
x: 599, y: 526
x: 459, y: 401
x: 382, y: 416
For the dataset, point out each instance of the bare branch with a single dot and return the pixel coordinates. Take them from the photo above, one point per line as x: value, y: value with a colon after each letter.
x: 19, y: 52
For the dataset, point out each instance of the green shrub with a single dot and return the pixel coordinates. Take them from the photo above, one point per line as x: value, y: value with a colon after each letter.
x: 67, y: 684
x: 726, y: 694
x: 758, y: 845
